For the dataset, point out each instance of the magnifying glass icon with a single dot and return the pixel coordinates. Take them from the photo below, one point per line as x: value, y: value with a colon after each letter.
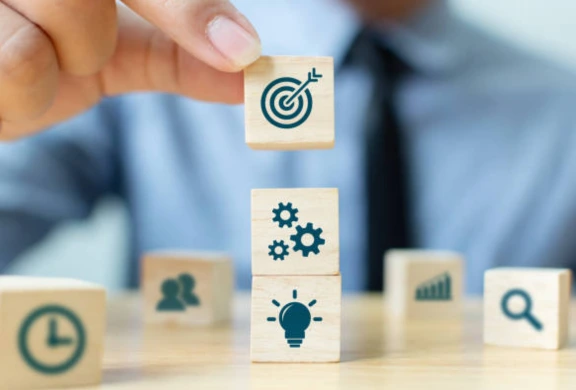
x: 525, y: 313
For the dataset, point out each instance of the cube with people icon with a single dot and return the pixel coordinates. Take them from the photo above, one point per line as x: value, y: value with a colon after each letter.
x: 527, y: 307
x: 187, y: 288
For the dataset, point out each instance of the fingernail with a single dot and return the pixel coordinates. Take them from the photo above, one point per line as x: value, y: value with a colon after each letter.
x: 233, y: 41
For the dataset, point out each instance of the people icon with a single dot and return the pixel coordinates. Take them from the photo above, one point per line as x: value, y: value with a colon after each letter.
x: 178, y: 293
x: 187, y: 282
x: 170, y: 301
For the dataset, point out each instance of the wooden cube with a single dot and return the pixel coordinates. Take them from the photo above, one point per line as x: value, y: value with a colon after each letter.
x: 424, y: 284
x: 51, y: 332
x: 295, y: 232
x: 295, y: 318
x: 527, y: 307
x: 290, y: 103
x: 187, y: 289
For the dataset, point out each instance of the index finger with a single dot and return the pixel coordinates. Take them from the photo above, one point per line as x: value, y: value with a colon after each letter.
x: 213, y: 31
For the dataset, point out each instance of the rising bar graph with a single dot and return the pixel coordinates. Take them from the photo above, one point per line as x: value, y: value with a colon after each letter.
x: 438, y: 288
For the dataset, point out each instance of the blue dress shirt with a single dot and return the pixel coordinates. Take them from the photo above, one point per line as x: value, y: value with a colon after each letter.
x: 490, y: 131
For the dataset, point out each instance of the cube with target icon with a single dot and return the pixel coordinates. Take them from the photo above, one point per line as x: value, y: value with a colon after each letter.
x: 290, y: 103
x: 295, y: 231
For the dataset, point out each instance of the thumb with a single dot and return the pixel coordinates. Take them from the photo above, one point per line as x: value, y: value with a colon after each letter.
x: 213, y: 31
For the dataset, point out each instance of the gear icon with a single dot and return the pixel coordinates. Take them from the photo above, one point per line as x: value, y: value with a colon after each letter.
x: 274, y: 250
x: 314, y: 246
x: 285, y: 221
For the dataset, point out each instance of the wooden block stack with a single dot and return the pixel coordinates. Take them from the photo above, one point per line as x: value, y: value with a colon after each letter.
x: 527, y: 307
x: 51, y: 333
x: 187, y: 289
x: 424, y: 284
x: 296, y: 285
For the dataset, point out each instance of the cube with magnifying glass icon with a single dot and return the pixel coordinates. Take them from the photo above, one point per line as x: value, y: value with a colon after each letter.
x: 527, y: 307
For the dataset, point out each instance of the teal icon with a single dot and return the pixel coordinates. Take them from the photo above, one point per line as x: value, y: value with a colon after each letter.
x: 278, y: 250
x: 295, y: 318
x: 178, y: 293
x: 525, y: 313
x: 438, y: 288
x: 307, y: 239
x: 68, y: 346
x: 285, y: 215
x: 287, y: 102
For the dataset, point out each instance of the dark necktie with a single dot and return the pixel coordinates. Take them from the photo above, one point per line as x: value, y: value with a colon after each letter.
x: 385, y: 164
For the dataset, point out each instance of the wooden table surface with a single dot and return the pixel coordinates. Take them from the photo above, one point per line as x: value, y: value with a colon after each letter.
x: 376, y: 353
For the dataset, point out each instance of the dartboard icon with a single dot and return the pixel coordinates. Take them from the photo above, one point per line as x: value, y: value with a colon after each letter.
x: 287, y: 102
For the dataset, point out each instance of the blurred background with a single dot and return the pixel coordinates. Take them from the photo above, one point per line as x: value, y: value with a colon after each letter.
x: 547, y: 27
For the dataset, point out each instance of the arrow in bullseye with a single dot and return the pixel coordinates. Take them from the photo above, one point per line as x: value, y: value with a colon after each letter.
x: 313, y: 77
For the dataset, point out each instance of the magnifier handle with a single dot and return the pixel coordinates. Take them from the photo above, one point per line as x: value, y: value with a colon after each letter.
x: 534, y: 322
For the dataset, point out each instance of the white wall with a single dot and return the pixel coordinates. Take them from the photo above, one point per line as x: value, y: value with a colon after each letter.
x: 96, y: 250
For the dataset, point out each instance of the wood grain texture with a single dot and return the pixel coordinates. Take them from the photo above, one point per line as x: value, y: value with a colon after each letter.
x: 548, y: 292
x: 213, y: 276
x: 318, y: 206
x: 378, y: 351
x: 20, y: 298
x: 408, y: 271
x: 321, y: 295
x: 317, y: 131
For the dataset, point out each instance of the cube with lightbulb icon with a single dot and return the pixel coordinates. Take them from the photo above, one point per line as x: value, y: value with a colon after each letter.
x: 296, y: 318
x: 295, y: 231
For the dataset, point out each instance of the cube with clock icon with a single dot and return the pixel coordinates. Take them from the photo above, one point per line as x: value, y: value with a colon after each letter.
x: 51, y: 332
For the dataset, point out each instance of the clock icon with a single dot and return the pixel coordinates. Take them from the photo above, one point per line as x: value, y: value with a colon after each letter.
x: 52, y: 339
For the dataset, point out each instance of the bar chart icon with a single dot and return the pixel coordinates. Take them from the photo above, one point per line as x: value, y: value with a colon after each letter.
x: 438, y: 288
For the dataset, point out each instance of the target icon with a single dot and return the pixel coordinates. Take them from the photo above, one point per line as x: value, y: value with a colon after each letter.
x: 287, y: 102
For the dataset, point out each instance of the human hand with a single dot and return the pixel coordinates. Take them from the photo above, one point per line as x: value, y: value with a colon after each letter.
x: 61, y: 57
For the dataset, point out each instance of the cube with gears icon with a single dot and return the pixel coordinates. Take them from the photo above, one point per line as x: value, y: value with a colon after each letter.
x: 295, y: 318
x: 527, y: 307
x: 295, y: 231
x: 290, y: 103
x: 51, y: 332
x: 187, y: 288
x: 424, y: 284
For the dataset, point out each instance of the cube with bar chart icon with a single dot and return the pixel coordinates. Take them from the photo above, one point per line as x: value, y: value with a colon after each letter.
x: 423, y: 284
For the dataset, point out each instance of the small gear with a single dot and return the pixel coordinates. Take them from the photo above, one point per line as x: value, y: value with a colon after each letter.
x: 306, y: 249
x: 285, y: 221
x: 273, y: 250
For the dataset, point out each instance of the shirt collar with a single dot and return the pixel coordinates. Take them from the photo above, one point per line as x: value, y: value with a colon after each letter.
x: 431, y: 41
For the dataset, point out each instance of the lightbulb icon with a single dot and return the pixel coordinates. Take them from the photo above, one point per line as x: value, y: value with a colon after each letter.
x: 295, y: 318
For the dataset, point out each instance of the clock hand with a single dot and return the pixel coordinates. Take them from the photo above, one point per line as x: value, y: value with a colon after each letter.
x: 65, y: 341
x: 52, y: 333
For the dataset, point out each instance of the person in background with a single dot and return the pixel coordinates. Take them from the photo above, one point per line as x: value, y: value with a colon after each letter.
x: 445, y: 137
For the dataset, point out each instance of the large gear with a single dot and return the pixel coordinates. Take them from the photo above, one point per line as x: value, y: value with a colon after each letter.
x: 306, y: 249
x: 285, y: 221
x: 278, y: 245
